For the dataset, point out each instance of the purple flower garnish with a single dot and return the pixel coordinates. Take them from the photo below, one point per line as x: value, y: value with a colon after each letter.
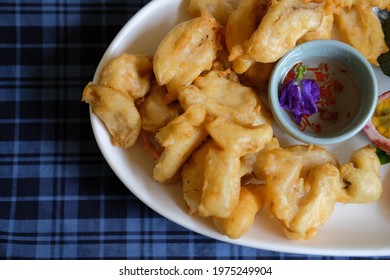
x: 300, y: 95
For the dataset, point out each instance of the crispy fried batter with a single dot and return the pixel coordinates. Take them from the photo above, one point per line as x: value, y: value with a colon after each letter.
x: 128, y: 73
x: 362, y: 29
x: 317, y: 204
x: 193, y: 176
x: 382, y: 4
x: 312, y: 156
x: 300, y: 203
x: 187, y: 50
x: 150, y: 145
x: 284, y: 187
x: 221, y: 185
x: 179, y: 138
x: 220, y: 9
x: 222, y: 95
x: 155, y: 112
x: 324, y: 31
x: 361, y: 177
x: 244, y: 21
x: 275, y: 35
x: 240, y: 221
x: 261, y: 158
x: 257, y: 76
x: 117, y: 111
x: 220, y: 193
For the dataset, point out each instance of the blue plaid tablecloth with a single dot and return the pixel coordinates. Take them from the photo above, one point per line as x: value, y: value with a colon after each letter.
x: 58, y: 197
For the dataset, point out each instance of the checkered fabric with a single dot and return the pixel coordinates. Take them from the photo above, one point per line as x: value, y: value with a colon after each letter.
x: 58, y: 197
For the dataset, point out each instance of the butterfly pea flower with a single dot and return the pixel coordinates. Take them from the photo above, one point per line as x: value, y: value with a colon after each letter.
x: 300, y: 95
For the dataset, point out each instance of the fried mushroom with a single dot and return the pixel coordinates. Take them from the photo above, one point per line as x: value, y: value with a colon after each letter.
x: 189, y: 49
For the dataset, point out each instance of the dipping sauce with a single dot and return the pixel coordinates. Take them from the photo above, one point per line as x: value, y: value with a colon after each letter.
x: 339, y: 95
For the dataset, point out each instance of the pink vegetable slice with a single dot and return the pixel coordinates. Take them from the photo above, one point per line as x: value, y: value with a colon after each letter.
x: 372, y: 133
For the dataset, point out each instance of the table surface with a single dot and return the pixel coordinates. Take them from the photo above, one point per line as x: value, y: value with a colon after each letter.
x: 58, y: 197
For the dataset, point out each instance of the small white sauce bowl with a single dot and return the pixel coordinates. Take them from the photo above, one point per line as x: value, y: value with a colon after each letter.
x: 364, y: 97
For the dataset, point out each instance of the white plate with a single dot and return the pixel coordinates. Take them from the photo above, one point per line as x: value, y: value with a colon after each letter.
x: 352, y: 230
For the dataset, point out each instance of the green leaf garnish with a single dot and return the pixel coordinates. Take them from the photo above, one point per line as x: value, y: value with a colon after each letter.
x: 384, y: 62
x: 384, y: 59
x: 383, y: 156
